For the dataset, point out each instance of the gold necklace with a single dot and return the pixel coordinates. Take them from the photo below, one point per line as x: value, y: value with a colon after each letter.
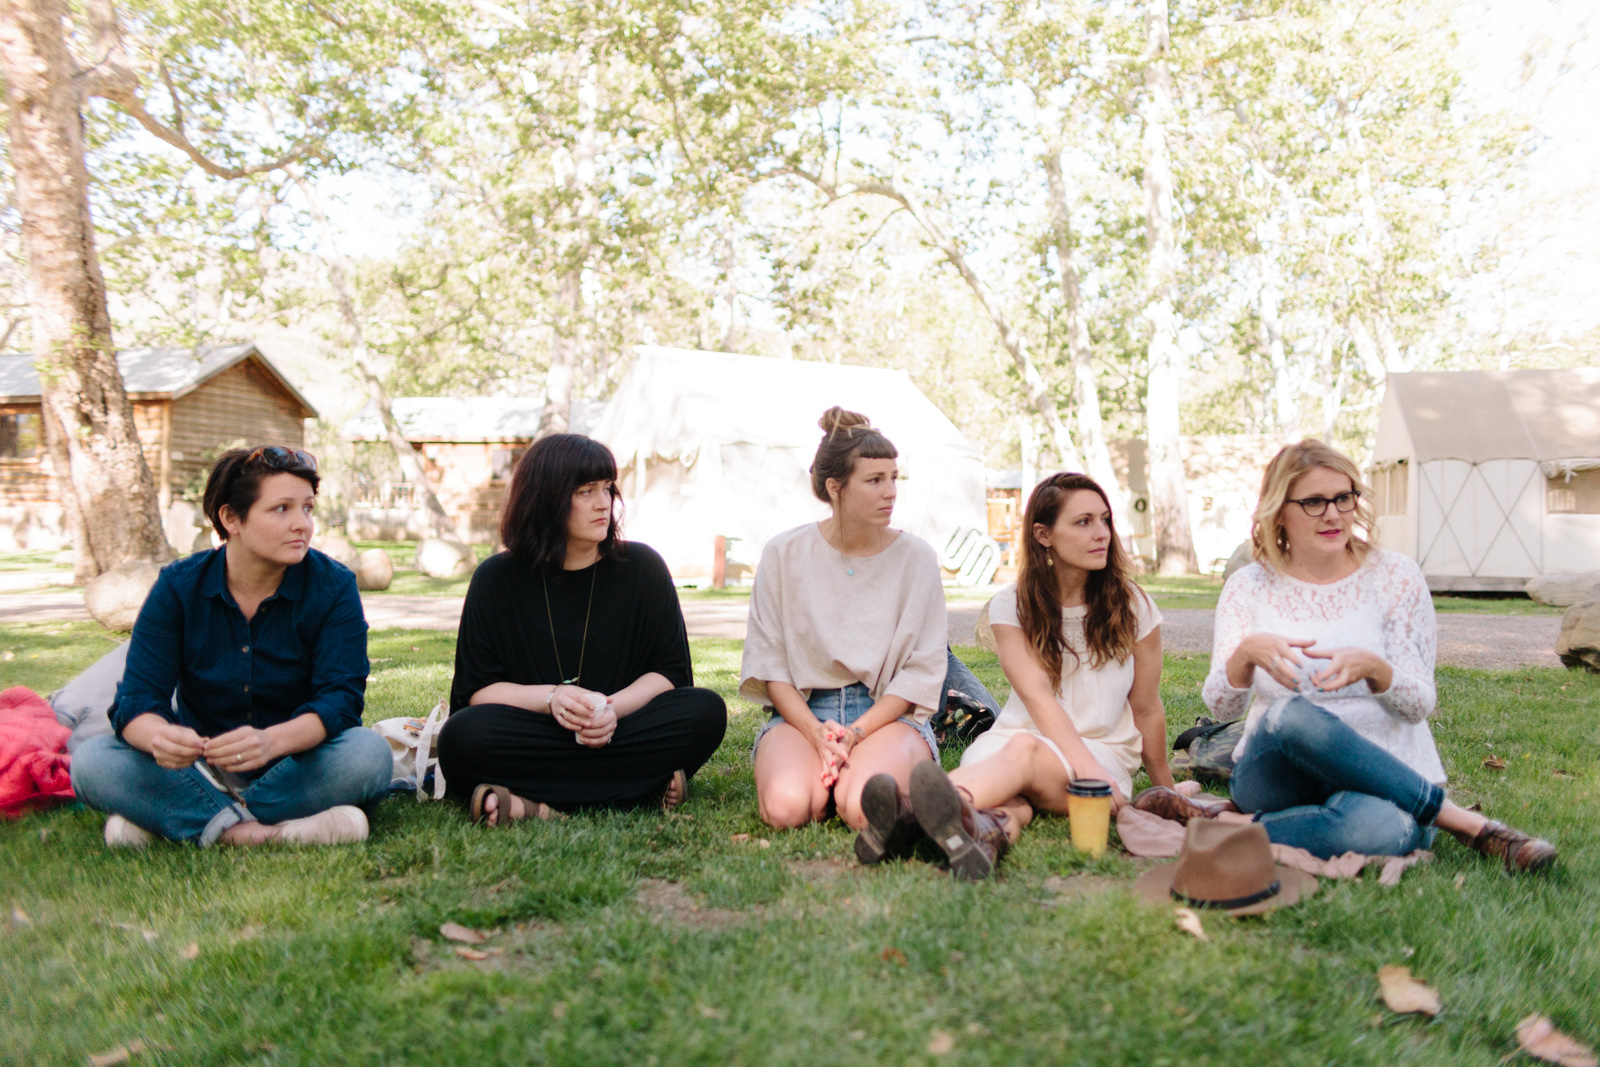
x: 582, y: 648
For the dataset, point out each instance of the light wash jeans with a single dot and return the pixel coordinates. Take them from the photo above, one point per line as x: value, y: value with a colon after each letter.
x: 1316, y: 784
x: 112, y: 776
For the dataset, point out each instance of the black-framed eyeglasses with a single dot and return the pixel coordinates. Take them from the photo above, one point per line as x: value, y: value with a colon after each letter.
x: 282, y: 459
x: 1317, y: 506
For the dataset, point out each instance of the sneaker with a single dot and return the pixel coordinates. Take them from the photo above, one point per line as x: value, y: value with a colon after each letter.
x: 343, y: 825
x: 120, y: 833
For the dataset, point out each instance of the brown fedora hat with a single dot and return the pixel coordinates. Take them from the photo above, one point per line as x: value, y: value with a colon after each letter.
x: 1225, y: 867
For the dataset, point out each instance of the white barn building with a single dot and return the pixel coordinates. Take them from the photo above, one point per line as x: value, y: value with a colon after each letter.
x: 710, y: 444
x: 1489, y: 478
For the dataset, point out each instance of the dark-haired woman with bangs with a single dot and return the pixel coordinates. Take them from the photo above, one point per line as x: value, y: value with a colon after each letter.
x: 1080, y: 644
x: 573, y: 686
x: 238, y: 719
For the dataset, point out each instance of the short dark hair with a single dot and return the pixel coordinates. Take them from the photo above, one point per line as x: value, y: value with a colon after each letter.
x: 236, y: 477
x: 533, y: 524
x: 848, y: 436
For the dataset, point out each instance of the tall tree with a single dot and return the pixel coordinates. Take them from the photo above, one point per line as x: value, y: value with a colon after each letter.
x: 102, y: 479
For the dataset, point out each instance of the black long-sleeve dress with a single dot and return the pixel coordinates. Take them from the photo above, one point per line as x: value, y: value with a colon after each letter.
x: 602, y: 628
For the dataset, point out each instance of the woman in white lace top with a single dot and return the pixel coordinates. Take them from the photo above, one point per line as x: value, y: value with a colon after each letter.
x: 1329, y: 642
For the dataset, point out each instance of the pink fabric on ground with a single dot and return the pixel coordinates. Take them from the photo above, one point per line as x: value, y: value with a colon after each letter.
x: 34, y: 765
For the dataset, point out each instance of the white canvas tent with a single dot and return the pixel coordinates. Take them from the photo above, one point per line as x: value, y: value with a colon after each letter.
x: 709, y: 443
x: 1488, y: 478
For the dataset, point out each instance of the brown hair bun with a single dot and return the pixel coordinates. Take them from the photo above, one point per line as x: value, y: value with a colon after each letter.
x: 837, y: 419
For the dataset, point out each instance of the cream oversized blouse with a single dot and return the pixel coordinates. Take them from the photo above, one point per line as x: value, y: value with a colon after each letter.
x: 816, y: 625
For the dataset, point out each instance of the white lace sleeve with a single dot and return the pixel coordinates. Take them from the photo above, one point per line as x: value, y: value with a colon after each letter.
x: 1232, y: 624
x: 1410, y: 644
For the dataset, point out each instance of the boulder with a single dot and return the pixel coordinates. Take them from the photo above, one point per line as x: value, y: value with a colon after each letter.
x: 1563, y: 589
x: 1240, y: 558
x: 437, y: 558
x: 374, y: 570
x: 115, y: 597
x: 1578, y: 644
x: 983, y: 631
x: 336, y: 547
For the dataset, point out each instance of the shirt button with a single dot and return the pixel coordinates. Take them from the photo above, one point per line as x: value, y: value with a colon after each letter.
x: 246, y: 648
x: 247, y: 689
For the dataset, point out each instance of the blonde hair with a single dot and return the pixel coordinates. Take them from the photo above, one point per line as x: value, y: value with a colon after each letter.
x: 1269, y: 544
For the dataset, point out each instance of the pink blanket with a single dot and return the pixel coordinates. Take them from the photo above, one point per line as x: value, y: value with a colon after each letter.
x: 34, y: 765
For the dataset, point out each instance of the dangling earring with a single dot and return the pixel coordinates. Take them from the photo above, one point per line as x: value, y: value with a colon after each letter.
x: 1049, y: 558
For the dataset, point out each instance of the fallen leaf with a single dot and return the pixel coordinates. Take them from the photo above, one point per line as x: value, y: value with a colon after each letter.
x: 120, y: 1054
x: 739, y: 839
x: 20, y: 917
x: 1494, y: 763
x: 1404, y: 994
x: 1559, y: 773
x: 191, y: 951
x: 1461, y: 879
x: 1189, y: 923
x: 466, y: 935
x: 763, y: 842
x: 940, y: 1043
x: 890, y: 954
x: 250, y: 932
x: 476, y: 954
x: 707, y: 1011
x: 1540, y: 1039
x: 8, y: 656
x: 976, y: 1029
x: 558, y: 1010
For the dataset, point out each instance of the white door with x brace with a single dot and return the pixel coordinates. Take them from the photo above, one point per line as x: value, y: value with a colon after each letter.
x: 1480, y: 519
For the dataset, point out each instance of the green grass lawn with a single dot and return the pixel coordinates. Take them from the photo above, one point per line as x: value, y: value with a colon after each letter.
x: 634, y: 939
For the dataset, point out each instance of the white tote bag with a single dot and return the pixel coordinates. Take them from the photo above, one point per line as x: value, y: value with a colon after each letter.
x: 414, y: 743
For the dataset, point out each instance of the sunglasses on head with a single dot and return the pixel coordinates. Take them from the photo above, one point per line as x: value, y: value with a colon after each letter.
x: 282, y: 459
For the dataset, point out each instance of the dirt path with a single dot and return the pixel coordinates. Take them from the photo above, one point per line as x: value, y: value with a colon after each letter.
x: 1494, y: 642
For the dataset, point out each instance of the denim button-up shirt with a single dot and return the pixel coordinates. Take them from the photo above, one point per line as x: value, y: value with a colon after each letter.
x: 304, y: 651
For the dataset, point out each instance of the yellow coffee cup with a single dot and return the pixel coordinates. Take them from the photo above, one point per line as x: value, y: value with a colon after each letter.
x: 1089, y: 812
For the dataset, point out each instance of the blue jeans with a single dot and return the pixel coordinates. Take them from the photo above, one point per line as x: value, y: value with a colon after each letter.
x: 112, y: 776
x: 1316, y: 784
x: 845, y: 706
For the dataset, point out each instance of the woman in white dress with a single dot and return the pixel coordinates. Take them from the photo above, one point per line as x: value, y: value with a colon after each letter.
x: 846, y: 643
x: 1081, y: 645
x: 1334, y: 639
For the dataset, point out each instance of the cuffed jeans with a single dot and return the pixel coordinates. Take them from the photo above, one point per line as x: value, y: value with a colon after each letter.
x: 112, y: 776
x: 1316, y: 784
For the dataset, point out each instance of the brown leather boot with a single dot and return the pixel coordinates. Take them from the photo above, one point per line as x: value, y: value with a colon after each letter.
x: 891, y: 831
x: 974, y: 838
x: 1168, y: 803
x: 1519, y: 851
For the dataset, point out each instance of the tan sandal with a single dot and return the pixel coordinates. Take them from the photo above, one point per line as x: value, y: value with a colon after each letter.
x: 531, y: 809
x: 679, y: 780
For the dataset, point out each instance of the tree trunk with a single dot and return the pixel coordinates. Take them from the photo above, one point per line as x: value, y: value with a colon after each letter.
x: 1086, y: 388
x: 557, y: 414
x: 1285, y: 401
x: 1169, y: 498
x: 102, y: 478
x: 411, y: 467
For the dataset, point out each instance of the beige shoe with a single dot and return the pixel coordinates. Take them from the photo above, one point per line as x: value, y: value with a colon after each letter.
x: 120, y: 833
x: 343, y: 825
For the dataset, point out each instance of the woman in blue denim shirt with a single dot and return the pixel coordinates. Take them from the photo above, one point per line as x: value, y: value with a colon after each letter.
x: 238, y: 718
x: 1335, y: 640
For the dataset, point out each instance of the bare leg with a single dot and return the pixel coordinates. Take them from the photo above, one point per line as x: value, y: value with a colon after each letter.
x: 789, y: 787
x: 892, y: 750
x: 1454, y: 817
x: 1025, y: 769
x: 1020, y: 814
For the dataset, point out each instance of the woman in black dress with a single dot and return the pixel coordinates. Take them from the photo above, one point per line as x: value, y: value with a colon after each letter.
x: 573, y: 686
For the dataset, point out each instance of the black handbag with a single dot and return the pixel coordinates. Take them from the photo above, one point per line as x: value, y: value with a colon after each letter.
x: 1205, y: 750
x: 960, y: 720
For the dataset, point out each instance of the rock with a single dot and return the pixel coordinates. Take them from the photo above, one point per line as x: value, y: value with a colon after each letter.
x: 374, y: 570
x: 1240, y: 558
x: 1563, y: 589
x: 204, y: 541
x: 115, y: 597
x: 336, y: 547
x: 1578, y: 644
x: 178, y: 522
x: 445, y: 559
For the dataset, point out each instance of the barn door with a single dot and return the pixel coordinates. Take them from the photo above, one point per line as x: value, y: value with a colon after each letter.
x: 1480, y: 519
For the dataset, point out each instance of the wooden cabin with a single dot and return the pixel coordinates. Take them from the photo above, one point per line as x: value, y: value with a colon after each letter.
x: 469, y: 447
x: 187, y: 405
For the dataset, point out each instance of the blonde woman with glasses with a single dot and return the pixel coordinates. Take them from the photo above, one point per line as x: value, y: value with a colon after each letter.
x: 1329, y: 642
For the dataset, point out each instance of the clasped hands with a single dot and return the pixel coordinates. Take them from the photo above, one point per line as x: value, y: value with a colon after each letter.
x: 589, y: 715
x: 1281, y: 658
x: 834, y: 742
x: 243, y: 749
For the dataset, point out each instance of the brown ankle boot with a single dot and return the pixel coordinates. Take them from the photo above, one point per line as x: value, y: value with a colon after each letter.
x: 1168, y: 803
x: 891, y: 831
x: 1519, y: 851
x: 974, y: 838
